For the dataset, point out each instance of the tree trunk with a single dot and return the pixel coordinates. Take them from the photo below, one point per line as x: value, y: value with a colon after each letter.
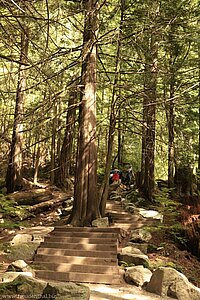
x: 14, y: 170
x: 37, y: 164
x: 149, y: 118
x: 65, y: 158
x: 113, y: 113
x: 85, y: 206
x: 53, y: 143
x: 198, y: 171
x: 170, y: 115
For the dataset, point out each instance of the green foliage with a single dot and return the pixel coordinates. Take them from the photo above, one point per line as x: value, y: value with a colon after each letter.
x: 178, y: 234
x: 125, y: 264
x: 162, y: 263
x: 9, y: 208
x: 153, y: 248
x: 11, y: 213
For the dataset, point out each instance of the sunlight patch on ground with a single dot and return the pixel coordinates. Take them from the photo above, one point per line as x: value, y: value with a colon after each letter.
x: 102, y: 292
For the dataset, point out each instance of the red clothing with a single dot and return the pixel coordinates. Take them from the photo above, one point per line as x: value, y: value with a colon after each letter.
x: 115, y: 177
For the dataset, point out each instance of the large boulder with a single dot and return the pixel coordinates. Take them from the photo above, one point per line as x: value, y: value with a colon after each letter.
x: 21, y: 239
x: 25, y: 251
x: 29, y: 288
x: 137, y: 275
x: 166, y: 281
x: 133, y: 256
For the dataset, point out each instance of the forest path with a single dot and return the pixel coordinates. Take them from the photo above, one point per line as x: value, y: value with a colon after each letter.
x: 122, y: 223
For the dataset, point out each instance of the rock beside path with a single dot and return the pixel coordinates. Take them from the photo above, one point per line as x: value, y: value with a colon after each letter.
x: 24, y: 287
x: 166, y: 281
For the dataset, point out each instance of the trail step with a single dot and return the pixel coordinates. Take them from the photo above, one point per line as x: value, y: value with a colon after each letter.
x: 86, y: 254
x: 79, y: 254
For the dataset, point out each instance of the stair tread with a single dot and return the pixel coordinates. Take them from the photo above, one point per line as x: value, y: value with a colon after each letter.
x: 68, y: 267
x: 88, y: 240
x: 76, y: 259
x: 85, y: 229
x: 53, y: 243
x: 106, y: 235
x: 86, y: 254
x: 81, y: 253
x: 78, y: 277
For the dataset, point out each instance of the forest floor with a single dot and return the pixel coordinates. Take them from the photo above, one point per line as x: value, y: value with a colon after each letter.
x: 164, y: 253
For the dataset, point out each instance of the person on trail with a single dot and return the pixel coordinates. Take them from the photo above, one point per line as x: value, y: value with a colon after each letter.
x: 115, y: 176
x: 127, y: 176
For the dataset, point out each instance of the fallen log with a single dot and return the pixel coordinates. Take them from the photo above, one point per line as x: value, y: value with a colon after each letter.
x: 31, y: 197
x: 45, y: 206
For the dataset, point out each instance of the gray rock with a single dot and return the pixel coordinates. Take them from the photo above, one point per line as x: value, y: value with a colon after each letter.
x: 10, y: 276
x: 101, y: 222
x: 140, y: 235
x: 141, y: 246
x: 30, y: 287
x: 20, y: 266
x: 133, y: 256
x: 21, y: 239
x: 24, y: 251
x: 137, y: 275
x: 67, y: 291
x: 131, y: 250
x: 151, y: 214
x: 169, y: 282
x: 17, y: 265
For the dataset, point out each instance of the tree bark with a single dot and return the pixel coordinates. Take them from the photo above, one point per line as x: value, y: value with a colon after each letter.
x: 85, y: 206
x: 14, y: 170
x: 65, y: 158
x: 171, y: 158
x: 149, y: 109
x: 113, y: 114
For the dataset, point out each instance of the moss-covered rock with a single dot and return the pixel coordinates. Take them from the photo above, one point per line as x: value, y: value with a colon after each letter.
x: 32, y: 288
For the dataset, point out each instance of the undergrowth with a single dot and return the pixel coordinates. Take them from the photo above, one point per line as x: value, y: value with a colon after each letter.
x: 12, y: 214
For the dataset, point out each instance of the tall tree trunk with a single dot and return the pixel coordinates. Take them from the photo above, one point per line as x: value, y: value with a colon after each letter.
x: 170, y: 113
x: 65, y: 158
x: 53, y: 142
x: 171, y: 160
x: 36, y: 165
x: 120, y: 143
x: 149, y: 119
x: 198, y: 172
x: 112, y: 125
x: 14, y: 170
x: 85, y: 206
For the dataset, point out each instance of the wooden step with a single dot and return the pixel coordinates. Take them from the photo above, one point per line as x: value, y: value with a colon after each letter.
x: 81, y: 235
x: 78, y: 277
x: 77, y: 240
x: 81, y: 253
x: 75, y: 260
x: 67, y: 267
x: 55, y: 243
x: 84, y: 229
x: 86, y: 254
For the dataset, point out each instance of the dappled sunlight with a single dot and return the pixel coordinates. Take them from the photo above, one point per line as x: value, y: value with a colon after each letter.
x: 103, y: 292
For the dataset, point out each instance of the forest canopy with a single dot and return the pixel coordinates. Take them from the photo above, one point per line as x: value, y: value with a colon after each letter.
x: 146, y: 73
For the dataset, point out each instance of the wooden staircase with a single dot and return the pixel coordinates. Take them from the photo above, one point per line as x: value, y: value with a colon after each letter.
x: 79, y: 254
x: 86, y: 254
